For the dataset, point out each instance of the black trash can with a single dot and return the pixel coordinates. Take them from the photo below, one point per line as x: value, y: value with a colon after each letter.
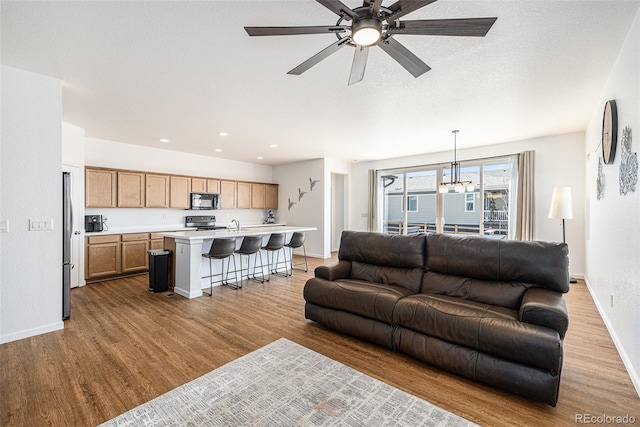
x: 159, y: 270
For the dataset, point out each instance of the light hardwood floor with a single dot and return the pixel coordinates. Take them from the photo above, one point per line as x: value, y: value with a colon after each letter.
x: 124, y: 346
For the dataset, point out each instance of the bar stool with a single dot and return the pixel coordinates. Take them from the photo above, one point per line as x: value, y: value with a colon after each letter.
x: 297, y: 240
x: 275, y: 244
x: 251, y: 245
x: 222, y: 249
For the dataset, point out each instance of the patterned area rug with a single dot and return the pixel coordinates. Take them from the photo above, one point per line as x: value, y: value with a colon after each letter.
x: 285, y: 384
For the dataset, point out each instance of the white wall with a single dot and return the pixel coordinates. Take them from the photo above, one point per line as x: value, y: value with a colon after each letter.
x: 613, y: 229
x: 308, y: 211
x: 31, y: 176
x: 558, y: 162
x: 119, y: 155
x: 314, y: 209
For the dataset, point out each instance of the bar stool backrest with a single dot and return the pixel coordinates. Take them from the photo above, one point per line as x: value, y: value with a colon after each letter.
x: 276, y: 241
x: 250, y: 244
x: 297, y: 240
x: 222, y: 248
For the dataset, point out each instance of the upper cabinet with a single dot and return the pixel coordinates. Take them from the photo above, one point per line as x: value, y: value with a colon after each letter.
x: 199, y: 185
x: 110, y: 188
x: 271, y: 196
x: 157, y: 194
x: 258, y: 196
x: 100, y: 188
x: 228, y: 194
x: 179, y: 193
x: 131, y: 189
x: 213, y: 186
x: 244, y: 195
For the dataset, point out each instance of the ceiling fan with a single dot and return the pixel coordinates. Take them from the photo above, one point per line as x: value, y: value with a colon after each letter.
x: 375, y: 25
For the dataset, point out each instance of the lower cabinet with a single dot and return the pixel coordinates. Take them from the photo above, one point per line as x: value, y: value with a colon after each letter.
x: 134, y: 252
x: 102, y: 256
x: 116, y: 255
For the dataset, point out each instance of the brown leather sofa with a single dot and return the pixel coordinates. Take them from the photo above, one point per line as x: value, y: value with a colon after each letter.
x: 489, y: 310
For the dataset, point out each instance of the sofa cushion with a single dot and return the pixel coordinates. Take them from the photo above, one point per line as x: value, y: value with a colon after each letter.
x: 544, y: 264
x: 490, y: 329
x: 371, y: 300
x: 383, y: 258
x: 503, y: 294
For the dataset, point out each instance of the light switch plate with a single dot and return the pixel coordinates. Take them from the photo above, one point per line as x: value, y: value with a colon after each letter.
x: 4, y: 226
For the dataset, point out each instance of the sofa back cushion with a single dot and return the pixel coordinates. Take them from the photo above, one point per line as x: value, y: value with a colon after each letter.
x: 541, y: 264
x: 503, y: 294
x: 385, y: 258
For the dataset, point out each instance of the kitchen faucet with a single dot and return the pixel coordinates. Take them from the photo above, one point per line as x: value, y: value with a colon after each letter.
x: 237, y: 224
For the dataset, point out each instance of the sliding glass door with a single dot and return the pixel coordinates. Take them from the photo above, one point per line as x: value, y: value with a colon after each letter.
x: 412, y: 203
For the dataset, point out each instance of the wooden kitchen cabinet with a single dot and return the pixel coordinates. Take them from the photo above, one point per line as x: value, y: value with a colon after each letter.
x: 134, y: 252
x: 199, y: 185
x: 131, y: 189
x: 180, y: 192
x: 102, y: 256
x: 156, y: 241
x: 228, y: 194
x: 258, y: 196
x: 100, y: 188
x: 243, y: 195
x: 213, y: 186
x: 271, y: 196
x: 157, y: 193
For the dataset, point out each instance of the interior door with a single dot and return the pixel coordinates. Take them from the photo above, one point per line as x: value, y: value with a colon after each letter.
x: 77, y: 224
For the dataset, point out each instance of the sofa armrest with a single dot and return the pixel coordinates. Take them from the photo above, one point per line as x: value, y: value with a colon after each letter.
x: 545, y: 307
x: 337, y: 270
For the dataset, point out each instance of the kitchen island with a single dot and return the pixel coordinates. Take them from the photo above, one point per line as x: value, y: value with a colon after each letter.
x: 191, y: 268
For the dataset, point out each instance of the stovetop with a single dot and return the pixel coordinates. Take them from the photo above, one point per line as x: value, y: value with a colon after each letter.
x: 202, y: 222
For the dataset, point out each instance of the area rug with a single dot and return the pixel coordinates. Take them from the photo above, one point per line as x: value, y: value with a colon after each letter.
x: 286, y: 384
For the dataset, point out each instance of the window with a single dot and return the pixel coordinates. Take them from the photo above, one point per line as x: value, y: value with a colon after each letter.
x: 411, y: 201
x: 470, y: 202
x: 412, y: 204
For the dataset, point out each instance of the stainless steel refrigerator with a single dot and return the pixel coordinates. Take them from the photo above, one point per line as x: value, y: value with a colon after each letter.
x: 67, y: 230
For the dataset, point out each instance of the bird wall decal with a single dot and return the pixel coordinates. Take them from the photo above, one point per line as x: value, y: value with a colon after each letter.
x: 301, y: 194
x: 291, y: 204
x: 312, y: 183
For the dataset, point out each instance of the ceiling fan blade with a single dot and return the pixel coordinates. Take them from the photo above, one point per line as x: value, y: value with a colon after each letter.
x: 329, y: 50
x: 374, y: 5
x: 359, y: 64
x: 337, y: 7
x: 468, y: 27
x: 408, y: 60
x: 404, y: 7
x: 289, y: 31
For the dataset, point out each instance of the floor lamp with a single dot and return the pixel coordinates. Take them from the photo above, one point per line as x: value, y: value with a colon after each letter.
x: 562, y: 208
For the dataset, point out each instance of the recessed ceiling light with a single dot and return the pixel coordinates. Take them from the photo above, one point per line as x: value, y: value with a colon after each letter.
x: 164, y: 140
x: 223, y: 134
x: 273, y: 145
x: 218, y: 150
x: 259, y: 157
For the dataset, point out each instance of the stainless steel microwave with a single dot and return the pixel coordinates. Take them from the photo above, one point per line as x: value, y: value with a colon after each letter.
x: 205, y: 201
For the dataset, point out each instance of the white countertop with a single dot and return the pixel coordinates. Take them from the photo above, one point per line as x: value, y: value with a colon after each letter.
x: 244, y: 231
x: 164, y: 229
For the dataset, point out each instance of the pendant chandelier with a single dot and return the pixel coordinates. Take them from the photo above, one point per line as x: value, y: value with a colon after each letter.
x: 454, y: 182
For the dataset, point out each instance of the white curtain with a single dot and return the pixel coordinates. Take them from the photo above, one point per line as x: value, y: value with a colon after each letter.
x: 524, y: 228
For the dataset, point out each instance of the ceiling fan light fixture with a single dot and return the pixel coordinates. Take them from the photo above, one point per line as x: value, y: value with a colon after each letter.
x: 366, y: 32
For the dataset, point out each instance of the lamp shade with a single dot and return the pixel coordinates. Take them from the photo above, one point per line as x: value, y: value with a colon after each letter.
x: 561, y: 203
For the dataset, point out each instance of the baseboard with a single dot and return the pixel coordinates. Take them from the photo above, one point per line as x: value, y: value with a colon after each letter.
x: 32, y: 332
x: 635, y: 378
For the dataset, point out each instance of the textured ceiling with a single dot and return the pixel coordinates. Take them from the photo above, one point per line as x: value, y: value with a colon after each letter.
x: 136, y: 72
